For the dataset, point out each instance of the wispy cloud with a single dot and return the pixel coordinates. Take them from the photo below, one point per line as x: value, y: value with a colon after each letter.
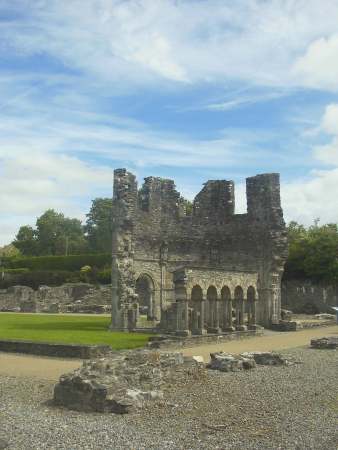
x: 86, y: 85
x: 263, y: 43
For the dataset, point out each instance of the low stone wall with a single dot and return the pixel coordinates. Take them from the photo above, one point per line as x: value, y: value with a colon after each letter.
x: 305, y: 296
x: 56, y: 350
x: 71, y: 297
x: 296, y: 325
x: 170, y: 341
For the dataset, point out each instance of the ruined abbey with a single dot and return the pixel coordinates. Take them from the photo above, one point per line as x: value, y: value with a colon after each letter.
x: 208, y: 270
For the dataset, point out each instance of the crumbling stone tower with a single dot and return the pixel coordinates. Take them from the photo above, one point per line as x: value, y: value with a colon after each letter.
x: 206, y: 271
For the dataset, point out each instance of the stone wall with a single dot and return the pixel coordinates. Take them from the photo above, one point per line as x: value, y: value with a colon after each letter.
x: 72, y: 297
x: 154, y: 238
x: 305, y: 296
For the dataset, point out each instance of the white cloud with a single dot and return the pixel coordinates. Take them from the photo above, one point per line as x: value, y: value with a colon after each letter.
x: 328, y: 153
x: 330, y: 119
x: 316, y: 196
x: 142, y: 41
x: 319, y: 66
x: 311, y: 198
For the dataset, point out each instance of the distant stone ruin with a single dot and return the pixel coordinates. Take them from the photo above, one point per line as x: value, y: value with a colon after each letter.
x: 208, y: 271
x: 68, y: 298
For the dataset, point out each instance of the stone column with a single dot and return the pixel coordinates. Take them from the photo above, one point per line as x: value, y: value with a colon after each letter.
x: 240, y: 316
x: 181, y: 297
x: 228, y: 319
x: 252, y: 325
x: 214, y: 328
x: 202, y: 329
x: 237, y: 311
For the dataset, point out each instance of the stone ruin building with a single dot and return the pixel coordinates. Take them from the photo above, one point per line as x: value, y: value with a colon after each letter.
x: 208, y: 271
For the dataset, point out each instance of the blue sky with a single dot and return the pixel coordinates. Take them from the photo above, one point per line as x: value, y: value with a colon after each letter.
x: 190, y: 90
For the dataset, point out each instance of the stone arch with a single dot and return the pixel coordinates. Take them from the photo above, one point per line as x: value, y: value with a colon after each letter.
x: 251, y: 293
x: 145, y: 289
x: 196, y: 293
x: 153, y: 277
x: 195, y: 309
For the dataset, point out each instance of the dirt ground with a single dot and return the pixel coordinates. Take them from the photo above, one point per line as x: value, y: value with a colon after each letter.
x: 270, y: 341
x: 40, y: 367
x: 45, y: 368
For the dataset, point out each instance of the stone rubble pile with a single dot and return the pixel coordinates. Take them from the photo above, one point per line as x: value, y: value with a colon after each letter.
x: 230, y: 363
x: 122, y: 381
x: 70, y: 297
x: 266, y: 358
x: 325, y: 342
x: 226, y: 362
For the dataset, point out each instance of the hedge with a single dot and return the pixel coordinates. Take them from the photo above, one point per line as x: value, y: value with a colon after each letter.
x: 66, y: 263
x: 34, y: 279
x: 16, y: 271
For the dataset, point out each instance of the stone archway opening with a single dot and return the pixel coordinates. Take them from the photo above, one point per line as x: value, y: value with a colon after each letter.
x: 145, y: 290
x: 195, y: 304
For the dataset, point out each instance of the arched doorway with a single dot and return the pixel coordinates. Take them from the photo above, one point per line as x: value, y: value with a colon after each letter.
x: 196, y: 316
x: 145, y: 290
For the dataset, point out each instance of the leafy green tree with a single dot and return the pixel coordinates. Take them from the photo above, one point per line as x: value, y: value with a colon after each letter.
x: 313, y: 252
x: 26, y: 241
x: 9, y: 251
x: 55, y: 234
x: 98, y: 225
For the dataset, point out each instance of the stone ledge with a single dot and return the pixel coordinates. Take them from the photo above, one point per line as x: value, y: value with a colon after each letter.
x: 169, y: 341
x: 296, y: 325
x: 52, y: 349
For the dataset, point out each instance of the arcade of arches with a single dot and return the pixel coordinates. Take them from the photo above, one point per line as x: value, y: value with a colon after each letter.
x: 214, y: 314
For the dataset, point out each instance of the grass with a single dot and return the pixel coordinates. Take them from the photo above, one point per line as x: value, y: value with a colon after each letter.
x: 67, y: 329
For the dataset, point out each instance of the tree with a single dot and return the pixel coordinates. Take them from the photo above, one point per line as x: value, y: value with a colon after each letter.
x: 55, y: 234
x: 313, y: 252
x: 9, y: 251
x: 26, y: 241
x: 98, y: 226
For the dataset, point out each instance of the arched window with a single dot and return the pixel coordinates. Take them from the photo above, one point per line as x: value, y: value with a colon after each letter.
x: 145, y: 291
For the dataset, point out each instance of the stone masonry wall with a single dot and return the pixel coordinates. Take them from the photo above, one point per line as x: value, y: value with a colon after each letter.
x: 153, y: 235
x: 72, y: 297
x: 305, y: 296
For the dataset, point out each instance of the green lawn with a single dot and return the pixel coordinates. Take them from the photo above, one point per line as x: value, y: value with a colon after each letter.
x: 67, y: 329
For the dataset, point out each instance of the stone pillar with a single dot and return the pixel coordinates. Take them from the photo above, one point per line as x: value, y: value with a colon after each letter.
x: 252, y: 325
x: 237, y: 311
x: 240, y: 316
x: 181, y: 297
x: 202, y: 329
x: 123, y: 276
x: 214, y: 322
x: 198, y: 318
x: 228, y: 326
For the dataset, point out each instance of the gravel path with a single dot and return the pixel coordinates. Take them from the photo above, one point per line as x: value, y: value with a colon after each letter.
x: 40, y: 367
x: 287, y: 408
x: 270, y: 341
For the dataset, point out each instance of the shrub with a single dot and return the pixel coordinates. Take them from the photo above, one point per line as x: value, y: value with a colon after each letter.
x: 59, y: 263
x: 16, y: 271
x: 34, y: 279
x: 104, y: 276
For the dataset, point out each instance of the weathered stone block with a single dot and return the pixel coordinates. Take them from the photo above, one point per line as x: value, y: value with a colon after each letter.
x: 325, y: 343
